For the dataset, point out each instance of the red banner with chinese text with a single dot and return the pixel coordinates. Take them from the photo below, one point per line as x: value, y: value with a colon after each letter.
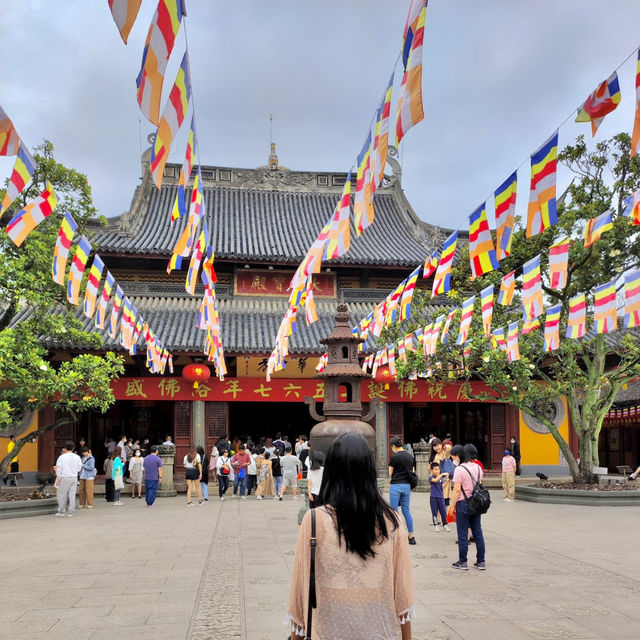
x: 259, y: 282
x: 284, y: 390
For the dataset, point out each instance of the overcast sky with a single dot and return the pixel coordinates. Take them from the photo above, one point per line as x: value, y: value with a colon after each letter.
x: 499, y: 76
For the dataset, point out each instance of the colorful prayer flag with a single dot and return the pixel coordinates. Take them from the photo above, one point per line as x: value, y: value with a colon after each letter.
x: 505, y: 201
x: 498, y: 339
x: 542, y: 213
x: 529, y: 325
x: 430, y: 265
x: 507, y: 289
x: 632, y: 207
x: 635, y: 137
x: 407, y: 294
x: 595, y: 227
x: 78, y: 265
x: 559, y: 264
x: 9, y: 138
x: 605, y: 308
x: 184, y: 245
x: 61, y: 250
x: 93, y: 282
x: 486, y: 303
x: 173, y: 115
x: 532, y: 301
x: 632, y: 299
x: 381, y: 140
x: 577, y: 319
x: 363, y: 212
x: 513, y: 349
x: 339, y: 238
x: 409, y: 109
x: 124, y: 14
x: 600, y: 102
x: 447, y: 324
x: 157, y: 49
x: 552, y: 328
x: 435, y: 334
x: 194, y: 265
x: 101, y: 311
x: 442, y: 279
x: 482, y: 253
x: 310, y: 312
x: 465, y: 320
x: 392, y: 361
x: 115, y: 312
x: 23, y: 170
x: 391, y: 313
x: 24, y: 222
x: 180, y: 205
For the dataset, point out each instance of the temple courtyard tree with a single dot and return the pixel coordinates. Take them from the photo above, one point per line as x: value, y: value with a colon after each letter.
x: 32, y: 308
x: 589, y: 372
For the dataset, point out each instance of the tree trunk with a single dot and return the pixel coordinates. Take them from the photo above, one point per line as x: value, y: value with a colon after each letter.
x: 586, y: 457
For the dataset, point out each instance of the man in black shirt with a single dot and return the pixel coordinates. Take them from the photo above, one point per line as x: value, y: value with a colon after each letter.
x: 401, y: 468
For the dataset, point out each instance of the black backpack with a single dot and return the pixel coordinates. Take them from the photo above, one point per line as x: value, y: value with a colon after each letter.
x: 479, y: 501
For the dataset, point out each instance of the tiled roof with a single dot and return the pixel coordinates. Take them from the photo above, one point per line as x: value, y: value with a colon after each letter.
x: 248, y: 325
x: 253, y: 224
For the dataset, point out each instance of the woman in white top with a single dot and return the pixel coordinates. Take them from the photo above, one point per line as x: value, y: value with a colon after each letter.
x: 314, y: 475
x: 223, y: 470
x: 136, y: 471
x: 252, y: 473
x: 213, y: 463
x: 193, y: 466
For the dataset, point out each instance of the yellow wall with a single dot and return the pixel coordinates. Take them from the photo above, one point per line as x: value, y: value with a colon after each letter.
x: 538, y: 448
x: 28, y: 456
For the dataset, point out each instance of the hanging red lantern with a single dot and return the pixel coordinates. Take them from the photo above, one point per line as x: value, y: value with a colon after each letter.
x: 196, y: 373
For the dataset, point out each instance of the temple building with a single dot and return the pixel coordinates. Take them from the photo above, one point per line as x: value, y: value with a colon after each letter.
x: 262, y: 222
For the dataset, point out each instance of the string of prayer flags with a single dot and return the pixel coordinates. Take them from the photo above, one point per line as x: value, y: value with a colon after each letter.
x: 541, y: 212
x: 115, y: 312
x: 93, y: 282
x: 407, y: 294
x: 507, y: 289
x: 392, y: 304
x: 61, y: 250
x: 23, y: 171
x: 101, y: 311
x: 185, y: 243
x: 532, y: 301
x: 447, y: 325
x: 605, y: 309
x: 559, y: 264
x: 635, y: 136
x: 24, y: 222
x: 632, y: 299
x: 78, y: 265
x: 173, y: 115
x: 180, y: 204
x: 632, y: 207
x: 595, y: 227
x: 442, y: 279
x: 465, y: 320
x: 430, y: 265
x: 381, y: 139
x: 157, y: 49
x: 482, y: 253
x: 600, y: 102
x: 124, y: 14
x: 498, y: 339
x: 363, y: 213
x: 513, y: 348
x: 505, y: 201
x: 409, y: 109
x: 486, y: 303
x: 577, y: 319
x: 339, y: 238
x: 9, y: 138
x: 552, y: 328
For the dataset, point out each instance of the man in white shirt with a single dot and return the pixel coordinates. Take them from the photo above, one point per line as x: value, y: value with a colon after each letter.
x: 123, y: 448
x: 168, y: 442
x: 68, y: 466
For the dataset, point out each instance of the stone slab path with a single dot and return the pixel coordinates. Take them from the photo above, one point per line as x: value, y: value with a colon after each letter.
x: 221, y: 572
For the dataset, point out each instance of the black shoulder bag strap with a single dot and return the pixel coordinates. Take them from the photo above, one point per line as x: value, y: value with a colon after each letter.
x: 475, y: 481
x: 312, y: 575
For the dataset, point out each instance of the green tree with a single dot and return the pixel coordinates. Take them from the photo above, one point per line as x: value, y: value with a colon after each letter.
x: 33, y: 307
x: 588, y: 372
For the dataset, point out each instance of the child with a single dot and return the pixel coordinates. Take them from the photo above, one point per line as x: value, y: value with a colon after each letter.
x: 509, y: 476
x: 437, y: 497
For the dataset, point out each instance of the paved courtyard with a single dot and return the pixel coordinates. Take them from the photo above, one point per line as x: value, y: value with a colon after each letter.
x: 221, y: 571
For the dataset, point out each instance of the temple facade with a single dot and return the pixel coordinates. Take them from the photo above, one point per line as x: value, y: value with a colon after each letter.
x: 262, y: 222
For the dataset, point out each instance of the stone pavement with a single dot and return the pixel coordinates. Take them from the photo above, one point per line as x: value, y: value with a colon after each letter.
x: 221, y: 572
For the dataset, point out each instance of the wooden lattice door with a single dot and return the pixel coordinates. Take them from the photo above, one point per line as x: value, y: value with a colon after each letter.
x: 216, y: 420
x: 182, y: 434
x: 497, y: 434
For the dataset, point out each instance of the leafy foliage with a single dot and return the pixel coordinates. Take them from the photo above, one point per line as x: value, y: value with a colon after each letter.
x: 588, y: 372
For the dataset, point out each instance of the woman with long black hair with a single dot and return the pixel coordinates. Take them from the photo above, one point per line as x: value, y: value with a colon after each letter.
x: 363, y: 573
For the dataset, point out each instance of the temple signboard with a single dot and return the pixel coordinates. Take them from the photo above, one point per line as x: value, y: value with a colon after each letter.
x: 264, y: 282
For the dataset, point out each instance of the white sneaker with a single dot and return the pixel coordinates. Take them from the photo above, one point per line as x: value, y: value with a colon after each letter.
x: 295, y: 497
x: 117, y: 504
x: 436, y: 528
x: 221, y: 498
x: 446, y: 528
x: 258, y: 497
x: 59, y: 515
x: 244, y: 497
x: 506, y: 500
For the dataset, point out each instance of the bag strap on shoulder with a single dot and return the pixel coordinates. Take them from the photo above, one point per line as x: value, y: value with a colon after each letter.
x: 312, y: 575
x: 475, y: 480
